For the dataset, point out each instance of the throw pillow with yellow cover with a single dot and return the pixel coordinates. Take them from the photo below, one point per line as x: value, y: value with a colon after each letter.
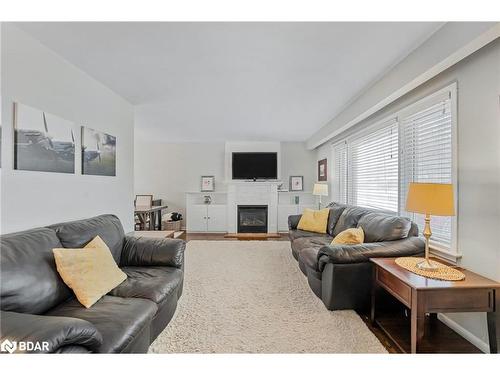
x: 351, y: 236
x: 90, y: 272
x: 314, y: 220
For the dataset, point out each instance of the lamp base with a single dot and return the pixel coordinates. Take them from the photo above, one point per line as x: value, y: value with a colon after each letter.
x: 427, y: 266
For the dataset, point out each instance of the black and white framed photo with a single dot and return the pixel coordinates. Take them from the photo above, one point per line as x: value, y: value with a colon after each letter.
x: 42, y: 141
x: 207, y: 183
x: 98, y: 153
x: 296, y: 183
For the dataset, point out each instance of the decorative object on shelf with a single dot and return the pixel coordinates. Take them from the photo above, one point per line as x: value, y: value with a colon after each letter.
x: 442, y: 271
x: 321, y: 190
x: 98, y: 153
x: 42, y: 141
x: 296, y: 183
x: 322, y: 170
x: 207, y: 199
x: 296, y: 199
x: 430, y: 199
x: 207, y: 183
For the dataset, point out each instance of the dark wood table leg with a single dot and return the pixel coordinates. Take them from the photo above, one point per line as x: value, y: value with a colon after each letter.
x: 152, y: 221
x: 159, y: 219
x: 373, y: 300
x: 417, y: 320
x: 493, y: 319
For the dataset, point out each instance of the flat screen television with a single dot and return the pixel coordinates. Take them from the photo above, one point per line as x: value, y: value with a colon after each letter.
x: 255, y: 165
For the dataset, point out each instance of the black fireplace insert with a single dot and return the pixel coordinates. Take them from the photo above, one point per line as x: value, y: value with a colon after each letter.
x: 252, y: 219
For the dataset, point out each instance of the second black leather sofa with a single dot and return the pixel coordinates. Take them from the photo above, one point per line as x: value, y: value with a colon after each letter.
x: 341, y: 275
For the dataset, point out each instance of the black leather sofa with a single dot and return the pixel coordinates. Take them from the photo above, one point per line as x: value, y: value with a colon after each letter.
x: 36, y: 305
x: 341, y: 275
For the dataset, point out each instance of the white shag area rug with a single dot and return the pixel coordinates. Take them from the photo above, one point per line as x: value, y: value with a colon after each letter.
x: 250, y: 297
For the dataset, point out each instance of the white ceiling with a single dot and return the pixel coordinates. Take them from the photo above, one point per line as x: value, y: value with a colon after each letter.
x: 233, y: 81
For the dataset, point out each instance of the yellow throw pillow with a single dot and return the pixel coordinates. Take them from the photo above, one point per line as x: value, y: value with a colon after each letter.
x: 90, y: 272
x: 351, y: 236
x: 314, y: 220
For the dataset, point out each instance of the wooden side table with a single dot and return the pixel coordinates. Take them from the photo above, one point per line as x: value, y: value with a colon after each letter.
x: 423, y: 295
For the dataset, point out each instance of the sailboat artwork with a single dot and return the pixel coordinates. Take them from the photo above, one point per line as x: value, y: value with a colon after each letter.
x: 98, y: 153
x: 42, y: 141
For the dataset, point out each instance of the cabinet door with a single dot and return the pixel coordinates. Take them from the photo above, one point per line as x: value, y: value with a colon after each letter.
x: 197, y: 218
x: 217, y: 218
x: 285, y: 210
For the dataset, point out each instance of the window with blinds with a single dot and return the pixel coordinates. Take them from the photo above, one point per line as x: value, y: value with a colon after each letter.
x: 339, y: 183
x: 373, y: 168
x: 427, y: 156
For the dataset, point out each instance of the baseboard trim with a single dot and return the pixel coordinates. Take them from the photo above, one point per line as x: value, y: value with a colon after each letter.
x: 473, y: 339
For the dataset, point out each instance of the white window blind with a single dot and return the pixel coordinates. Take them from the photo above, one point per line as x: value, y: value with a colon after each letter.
x: 339, y: 183
x: 427, y: 156
x: 373, y: 168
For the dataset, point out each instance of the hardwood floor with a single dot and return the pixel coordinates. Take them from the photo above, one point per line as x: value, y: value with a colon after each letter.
x: 223, y: 237
x: 446, y: 342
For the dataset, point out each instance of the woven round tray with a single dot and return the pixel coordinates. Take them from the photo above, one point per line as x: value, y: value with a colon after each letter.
x: 442, y: 273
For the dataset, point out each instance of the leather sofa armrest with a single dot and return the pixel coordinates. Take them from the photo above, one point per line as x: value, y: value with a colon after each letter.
x: 52, y: 333
x: 144, y: 251
x: 344, y: 254
x: 293, y: 221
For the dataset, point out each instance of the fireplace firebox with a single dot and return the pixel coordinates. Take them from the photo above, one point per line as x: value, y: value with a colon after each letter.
x: 252, y: 219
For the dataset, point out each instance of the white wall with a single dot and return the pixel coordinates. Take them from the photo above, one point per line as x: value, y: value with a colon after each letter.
x: 36, y: 76
x: 445, y: 47
x: 478, y: 80
x: 168, y: 170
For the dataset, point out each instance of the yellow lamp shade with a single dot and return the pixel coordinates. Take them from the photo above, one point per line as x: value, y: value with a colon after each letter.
x: 320, y: 189
x: 430, y: 198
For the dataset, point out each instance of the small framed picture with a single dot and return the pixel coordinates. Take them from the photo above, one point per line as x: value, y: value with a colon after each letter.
x: 322, y: 170
x: 207, y: 183
x: 296, y: 183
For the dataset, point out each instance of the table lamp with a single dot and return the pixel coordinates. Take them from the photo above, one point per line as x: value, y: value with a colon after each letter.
x: 320, y: 190
x: 430, y: 199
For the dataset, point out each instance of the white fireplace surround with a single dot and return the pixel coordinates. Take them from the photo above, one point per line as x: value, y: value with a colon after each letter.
x: 222, y: 214
x: 259, y: 193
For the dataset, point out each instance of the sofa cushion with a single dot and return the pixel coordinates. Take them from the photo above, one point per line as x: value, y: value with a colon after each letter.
x: 90, y: 272
x: 119, y: 320
x: 310, y: 242
x: 295, y: 234
x: 29, y: 282
x: 336, y: 210
x: 380, y: 227
x: 153, y: 283
x: 76, y: 234
x: 350, y: 218
x: 309, y: 257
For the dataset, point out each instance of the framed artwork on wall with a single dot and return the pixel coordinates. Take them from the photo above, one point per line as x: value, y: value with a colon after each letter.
x: 98, y: 153
x: 322, y: 170
x: 296, y: 183
x: 42, y: 142
x: 207, y: 183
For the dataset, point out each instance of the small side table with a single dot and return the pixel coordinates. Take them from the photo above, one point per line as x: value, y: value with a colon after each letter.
x: 423, y: 295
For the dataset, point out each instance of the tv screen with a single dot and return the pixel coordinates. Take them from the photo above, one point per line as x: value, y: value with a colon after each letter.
x: 253, y: 165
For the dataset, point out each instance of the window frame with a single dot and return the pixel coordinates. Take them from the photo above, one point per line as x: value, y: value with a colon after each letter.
x: 450, y: 92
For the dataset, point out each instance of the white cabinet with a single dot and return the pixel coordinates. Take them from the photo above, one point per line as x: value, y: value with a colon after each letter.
x: 216, y: 218
x: 196, y: 218
x: 206, y: 218
x: 201, y: 217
